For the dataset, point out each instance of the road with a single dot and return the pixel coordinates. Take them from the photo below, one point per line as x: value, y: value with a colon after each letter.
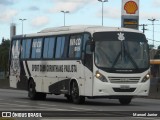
x: 17, y: 101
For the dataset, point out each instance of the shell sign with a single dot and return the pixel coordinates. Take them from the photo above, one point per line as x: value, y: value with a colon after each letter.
x: 130, y: 7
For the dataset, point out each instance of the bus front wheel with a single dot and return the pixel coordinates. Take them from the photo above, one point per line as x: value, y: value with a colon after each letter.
x: 76, y: 98
x: 32, y: 94
x: 125, y: 100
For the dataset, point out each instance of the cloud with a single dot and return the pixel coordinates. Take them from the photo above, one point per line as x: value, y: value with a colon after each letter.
x: 70, y: 5
x: 112, y: 13
x: 7, y: 2
x: 33, y: 8
x: 147, y: 15
x: 156, y: 3
x: 40, y: 21
x: 7, y: 15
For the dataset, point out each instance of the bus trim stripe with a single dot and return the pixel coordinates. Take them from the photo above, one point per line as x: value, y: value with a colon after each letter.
x: 27, y: 68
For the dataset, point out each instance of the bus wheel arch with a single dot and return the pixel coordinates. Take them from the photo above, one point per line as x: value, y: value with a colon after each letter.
x: 74, y: 93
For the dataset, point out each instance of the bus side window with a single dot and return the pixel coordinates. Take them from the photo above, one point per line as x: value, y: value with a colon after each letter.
x: 48, y: 50
x: 89, y: 58
x: 25, y: 50
x: 60, y: 47
x: 37, y: 48
x: 75, y: 46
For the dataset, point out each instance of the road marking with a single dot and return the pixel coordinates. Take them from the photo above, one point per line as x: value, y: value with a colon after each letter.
x: 146, y: 118
x: 81, y: 108
x: 47, y: 105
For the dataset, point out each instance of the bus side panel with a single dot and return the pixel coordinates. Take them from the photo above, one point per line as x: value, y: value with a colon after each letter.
x: 88, y: 82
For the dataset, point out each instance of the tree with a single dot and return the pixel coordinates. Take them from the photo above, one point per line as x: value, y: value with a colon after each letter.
x: 4, y: 54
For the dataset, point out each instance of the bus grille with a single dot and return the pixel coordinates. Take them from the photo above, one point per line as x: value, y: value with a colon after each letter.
x: 124, y: 80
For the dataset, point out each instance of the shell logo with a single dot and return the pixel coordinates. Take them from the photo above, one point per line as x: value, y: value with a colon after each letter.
x: 131, y: 7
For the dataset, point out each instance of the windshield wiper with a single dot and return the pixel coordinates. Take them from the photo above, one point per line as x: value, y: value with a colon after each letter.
x: 114, y: 63
x: 132, y: 60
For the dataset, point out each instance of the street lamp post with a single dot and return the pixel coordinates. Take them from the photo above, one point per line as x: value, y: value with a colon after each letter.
x: 64, y: 15
x: 102, y: 8
x: 153, y: 20
x: 22, y: 24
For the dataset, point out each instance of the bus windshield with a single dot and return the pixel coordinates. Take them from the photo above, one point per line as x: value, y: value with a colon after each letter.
x: 121, y: 52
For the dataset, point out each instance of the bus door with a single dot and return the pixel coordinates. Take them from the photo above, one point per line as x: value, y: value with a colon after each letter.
x: 88, y: 70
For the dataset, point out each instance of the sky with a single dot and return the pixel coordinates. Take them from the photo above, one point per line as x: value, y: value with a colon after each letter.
x: 41, y: 14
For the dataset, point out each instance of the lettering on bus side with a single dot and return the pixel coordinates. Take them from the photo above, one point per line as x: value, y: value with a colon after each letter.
x: 54, y: 68
x: 76, y: 42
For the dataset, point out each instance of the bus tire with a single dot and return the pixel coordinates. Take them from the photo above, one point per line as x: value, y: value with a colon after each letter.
x: 125, y: 100
x: 69, y: 97
x: 75, y: 94
x: 41, y: 96
x: 32, y: 94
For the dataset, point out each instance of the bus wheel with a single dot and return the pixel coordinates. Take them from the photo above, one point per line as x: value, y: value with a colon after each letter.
x: 32, y: 94
x: 69, y: 98
x: 125, y: 100
x: 75, y: 94
x: 41, y: 96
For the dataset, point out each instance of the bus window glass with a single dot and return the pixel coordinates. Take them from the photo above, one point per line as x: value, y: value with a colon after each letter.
x: 15, y: 49
x: 60, y: 47
x: 23, y: 49
x: 75, y: 46
x: 36, y: 48
x: 49, y: 44
x: 45, y: 51
x: 26, y: 45
x: 51, y: 47
x: 86, y: 38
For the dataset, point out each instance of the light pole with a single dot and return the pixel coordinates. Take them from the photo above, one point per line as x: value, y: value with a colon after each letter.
x: 102, y: 8
x: 22, y: 24
x: 64, y: 15
x: 153, y: 20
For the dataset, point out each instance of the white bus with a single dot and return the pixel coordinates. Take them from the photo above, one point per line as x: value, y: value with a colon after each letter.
x: 81, y: 61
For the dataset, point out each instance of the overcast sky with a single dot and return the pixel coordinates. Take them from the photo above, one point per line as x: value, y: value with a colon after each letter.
x: 42, y: 14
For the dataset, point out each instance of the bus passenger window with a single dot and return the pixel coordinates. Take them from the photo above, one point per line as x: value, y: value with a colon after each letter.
x: 75, y: 46
x: 60, y: 47
x: 49, y: 44
x: 26, y: 45
x: 36, y: 48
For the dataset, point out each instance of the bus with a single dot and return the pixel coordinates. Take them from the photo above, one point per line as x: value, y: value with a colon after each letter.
x: 81, y: 61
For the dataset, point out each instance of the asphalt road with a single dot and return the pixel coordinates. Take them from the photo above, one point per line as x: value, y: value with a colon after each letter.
x: 17, y: 101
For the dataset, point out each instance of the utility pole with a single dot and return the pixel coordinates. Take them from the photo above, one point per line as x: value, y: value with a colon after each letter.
x: 153, y: 20
x: 143, y: 25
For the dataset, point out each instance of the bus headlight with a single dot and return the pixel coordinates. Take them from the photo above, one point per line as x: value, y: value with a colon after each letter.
x: 146, y: 77
x: 101, y: 77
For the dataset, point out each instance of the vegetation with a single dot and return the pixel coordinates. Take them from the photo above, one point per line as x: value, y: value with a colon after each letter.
x: 4, y: 55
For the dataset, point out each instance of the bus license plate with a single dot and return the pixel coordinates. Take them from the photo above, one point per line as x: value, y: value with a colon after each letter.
x: 125, y: 87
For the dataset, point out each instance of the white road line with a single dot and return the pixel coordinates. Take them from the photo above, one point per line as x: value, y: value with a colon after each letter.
x: 81, y: 108
x: 147, y: 118
x: 47, y: 105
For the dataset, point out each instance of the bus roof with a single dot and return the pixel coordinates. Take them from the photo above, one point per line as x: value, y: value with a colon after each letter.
x: 77, y: 29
